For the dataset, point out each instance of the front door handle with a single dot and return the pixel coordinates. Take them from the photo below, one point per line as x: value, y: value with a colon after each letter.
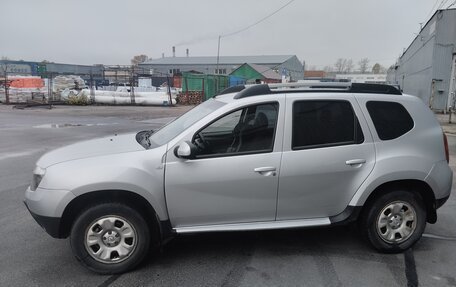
x: 355, y: 162
x: 266, y: 170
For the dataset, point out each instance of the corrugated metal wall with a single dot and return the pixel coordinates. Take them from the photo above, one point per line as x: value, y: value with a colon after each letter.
x: 443, y: 55
x: 415, y: 66
x: 428, y: 59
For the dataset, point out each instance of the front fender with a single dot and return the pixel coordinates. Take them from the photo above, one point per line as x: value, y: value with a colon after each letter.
x: 140, y: 172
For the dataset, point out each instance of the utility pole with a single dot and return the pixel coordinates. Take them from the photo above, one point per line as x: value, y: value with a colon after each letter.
x: 50, y: 90
x: 218, y: 59
x: 6, y: 85
x: 218, y: 55
x: 132, y: 83
x: 168, y: 84
x: 92, y: 90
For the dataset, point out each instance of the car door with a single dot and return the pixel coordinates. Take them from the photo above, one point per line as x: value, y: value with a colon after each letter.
x: 233, y: 178
x: 328, y: 153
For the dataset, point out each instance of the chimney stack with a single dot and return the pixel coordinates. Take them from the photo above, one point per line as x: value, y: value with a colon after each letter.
x: 163, y: 55
x: 174, y: 51
x: 187, y: 52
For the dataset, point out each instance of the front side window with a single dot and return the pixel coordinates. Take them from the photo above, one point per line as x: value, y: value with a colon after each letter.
x: 324, y: 123
x: 244, y: 131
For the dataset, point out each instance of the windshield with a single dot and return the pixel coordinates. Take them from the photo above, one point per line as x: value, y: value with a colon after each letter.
x: 180, y: 124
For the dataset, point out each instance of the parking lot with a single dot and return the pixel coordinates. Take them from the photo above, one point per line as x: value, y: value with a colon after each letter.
x: 311, y: 257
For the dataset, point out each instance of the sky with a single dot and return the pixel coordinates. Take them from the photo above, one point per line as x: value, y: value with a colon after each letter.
x: 112, y: 32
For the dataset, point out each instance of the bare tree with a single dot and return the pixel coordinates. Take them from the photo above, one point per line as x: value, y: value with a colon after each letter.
x: 363, y: 65
x: 343, y: 65
x: 139, y: 59
x: 340, y: 65
x: 349, y: 66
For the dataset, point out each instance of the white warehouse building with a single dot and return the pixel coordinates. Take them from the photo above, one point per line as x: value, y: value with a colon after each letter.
x: 363, y: 78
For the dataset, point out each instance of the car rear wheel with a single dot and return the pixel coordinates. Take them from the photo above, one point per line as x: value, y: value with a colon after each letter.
x: 394, y: 221
x: 110, y: 238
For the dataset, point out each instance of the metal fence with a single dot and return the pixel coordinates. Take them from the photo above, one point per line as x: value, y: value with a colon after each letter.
x: 19, y: 86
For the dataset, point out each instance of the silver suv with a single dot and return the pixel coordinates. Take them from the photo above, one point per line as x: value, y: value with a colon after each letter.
x: 253, y: 158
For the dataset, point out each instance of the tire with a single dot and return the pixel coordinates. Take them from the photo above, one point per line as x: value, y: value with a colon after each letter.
x: 110, y: 238
x: 394, y: 221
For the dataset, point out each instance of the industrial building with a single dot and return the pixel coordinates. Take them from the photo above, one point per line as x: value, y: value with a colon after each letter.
x: 427, y: 67
x: 46, y: 69
x: 287, y: 65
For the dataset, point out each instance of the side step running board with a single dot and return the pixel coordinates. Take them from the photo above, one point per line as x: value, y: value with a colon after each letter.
x: 256, y: 225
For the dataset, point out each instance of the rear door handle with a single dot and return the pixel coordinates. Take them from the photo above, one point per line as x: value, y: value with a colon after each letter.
x: 353, y: 162
x: 266, y: 170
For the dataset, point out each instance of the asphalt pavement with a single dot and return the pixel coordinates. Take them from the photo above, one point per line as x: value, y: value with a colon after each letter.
x: 334, y: 256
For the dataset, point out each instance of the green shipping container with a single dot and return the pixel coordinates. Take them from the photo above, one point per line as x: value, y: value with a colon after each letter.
x: 210, y: 85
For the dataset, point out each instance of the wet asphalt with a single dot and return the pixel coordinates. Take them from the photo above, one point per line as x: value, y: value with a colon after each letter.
x: 334, y: 256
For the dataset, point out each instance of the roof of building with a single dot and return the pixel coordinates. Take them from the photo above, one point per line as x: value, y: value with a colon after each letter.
x: 267, y: 72
x: 223, y: 60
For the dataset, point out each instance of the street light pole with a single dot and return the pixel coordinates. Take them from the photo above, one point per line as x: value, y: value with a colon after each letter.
x: 217, y: 66
x: 218, y: 55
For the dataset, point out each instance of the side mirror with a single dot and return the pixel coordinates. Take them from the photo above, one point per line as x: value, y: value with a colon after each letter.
x: 185, y: 150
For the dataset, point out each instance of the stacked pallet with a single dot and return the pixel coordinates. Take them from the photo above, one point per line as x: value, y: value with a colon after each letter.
x: 190, y: 98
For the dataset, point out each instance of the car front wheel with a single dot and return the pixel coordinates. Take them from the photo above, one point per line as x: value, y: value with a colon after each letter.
x: 110, y: 238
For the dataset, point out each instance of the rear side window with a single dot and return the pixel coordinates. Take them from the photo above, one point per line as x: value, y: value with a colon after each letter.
x: 324, y: 123
x: 391, y: 120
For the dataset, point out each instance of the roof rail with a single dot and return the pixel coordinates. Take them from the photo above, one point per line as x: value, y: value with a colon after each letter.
x: 265, y: 89
x: 312, y: 85
x: 233, y: 89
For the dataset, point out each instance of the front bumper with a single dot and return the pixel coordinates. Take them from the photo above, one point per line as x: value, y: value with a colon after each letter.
x: 47, y: 207
x: 50, y: 224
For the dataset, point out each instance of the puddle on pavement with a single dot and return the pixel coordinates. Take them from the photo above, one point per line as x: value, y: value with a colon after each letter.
x: 59, y: 126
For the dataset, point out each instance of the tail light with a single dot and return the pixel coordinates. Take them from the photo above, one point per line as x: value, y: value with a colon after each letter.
x: 445, y: 143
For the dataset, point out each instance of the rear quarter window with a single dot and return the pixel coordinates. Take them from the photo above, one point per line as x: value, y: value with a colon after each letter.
x: 391, y: 119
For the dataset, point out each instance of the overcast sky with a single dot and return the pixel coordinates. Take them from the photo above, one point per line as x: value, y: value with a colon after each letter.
x: 112, y: 32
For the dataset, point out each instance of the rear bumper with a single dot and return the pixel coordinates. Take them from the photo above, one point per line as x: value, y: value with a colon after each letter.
x: 50, y: 224
x: 441, y: 201
x: 440, y: 179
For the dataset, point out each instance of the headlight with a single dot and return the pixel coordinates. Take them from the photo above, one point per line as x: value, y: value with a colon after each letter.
x: 38, y: 175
